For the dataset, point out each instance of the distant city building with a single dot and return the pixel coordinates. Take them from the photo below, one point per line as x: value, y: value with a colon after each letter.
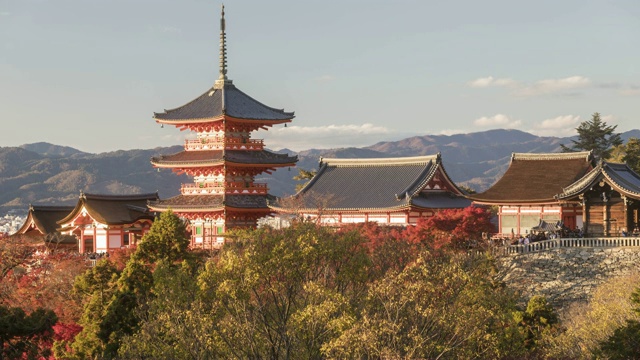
x: 223, y: 159
x: 392, y: 191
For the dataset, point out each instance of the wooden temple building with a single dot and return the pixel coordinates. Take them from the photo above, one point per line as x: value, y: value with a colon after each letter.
x: 392, y: 191
x: 527, y: 192
x: 609, y: 198
x: 104, y: 223
x: 222, y: 158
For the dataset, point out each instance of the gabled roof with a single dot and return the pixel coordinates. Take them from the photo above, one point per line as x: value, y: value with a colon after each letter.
x: 197, y: 158
x: 44, y: 218
x: 619, y: 176
x: 381, y: 184
x: 536, y: 178
x: 224, y: 101
x: 199, y: 203
x: 113, y: 209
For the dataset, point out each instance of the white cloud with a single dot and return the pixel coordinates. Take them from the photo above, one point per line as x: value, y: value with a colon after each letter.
x: 560, y: 126
x: 330, y: 136
x: 490, y: 81
x: 498, y: 120
x: 631, y: 90
x: 542, y: 87
x: 165, y: 29
x: 4, y: 13
x: 325, y: 78
x: 449, y: 132
x: 549, y: 86
x: 609, y: 119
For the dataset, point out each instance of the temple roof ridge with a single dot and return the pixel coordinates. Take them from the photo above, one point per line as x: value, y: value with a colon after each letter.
x: 587, y: 155
x: 354, y: 162
x: 123, y: 197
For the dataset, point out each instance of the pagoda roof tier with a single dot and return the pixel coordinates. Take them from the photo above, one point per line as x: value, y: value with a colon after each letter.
x: 207, y: 203
x: 44, y: 218
x: 224, y: 103
x: 536, y: 178
x: 208, y: 158
x: 619, y: 176
x: 379, y: 184
x: 112, y: 209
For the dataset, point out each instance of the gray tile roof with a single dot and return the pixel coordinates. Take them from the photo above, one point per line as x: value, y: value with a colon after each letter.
x: 356, y: 184
x: 214, y: 157
x: 228, y: 100
x: 45, y: 218
x: 620, y: 176
x: 113, y: 209
x: 195, y: 203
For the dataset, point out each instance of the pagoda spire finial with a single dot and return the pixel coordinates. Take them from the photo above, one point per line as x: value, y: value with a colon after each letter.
x: 222, y: 79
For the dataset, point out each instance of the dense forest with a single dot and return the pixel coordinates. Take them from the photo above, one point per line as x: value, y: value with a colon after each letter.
x: 304, y: 292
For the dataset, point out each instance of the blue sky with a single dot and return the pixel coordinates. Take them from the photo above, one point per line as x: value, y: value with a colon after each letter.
x: 90, y: 73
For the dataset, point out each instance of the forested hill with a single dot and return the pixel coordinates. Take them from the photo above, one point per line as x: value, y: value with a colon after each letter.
x: 58, y: 174
x: 43, y: 173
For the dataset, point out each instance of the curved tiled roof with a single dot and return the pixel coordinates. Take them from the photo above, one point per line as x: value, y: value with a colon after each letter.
x: 45, y: 218
x: 380, y: 184
x: 217, y: 157
x: 215, y: 103
x: 536, y: 178
x: 188, y: 203
x: 620, y: 176
x: 113, y: 209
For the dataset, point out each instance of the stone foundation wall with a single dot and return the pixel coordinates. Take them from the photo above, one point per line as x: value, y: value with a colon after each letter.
x: 566, y: 275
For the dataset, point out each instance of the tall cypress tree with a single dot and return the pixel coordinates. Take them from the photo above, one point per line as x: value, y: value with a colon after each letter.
x: 595, y: 135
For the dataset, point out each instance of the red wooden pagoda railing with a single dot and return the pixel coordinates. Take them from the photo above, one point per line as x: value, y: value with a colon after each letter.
x: 224, y: 144
x: 239, y: 188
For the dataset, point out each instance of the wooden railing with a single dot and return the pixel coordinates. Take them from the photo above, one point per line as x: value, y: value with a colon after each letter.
x: 572, y: 243
x: 224, y: 144
x: 238, y: 188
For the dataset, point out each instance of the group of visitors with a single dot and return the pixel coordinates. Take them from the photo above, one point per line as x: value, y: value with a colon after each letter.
x: 635, y: 232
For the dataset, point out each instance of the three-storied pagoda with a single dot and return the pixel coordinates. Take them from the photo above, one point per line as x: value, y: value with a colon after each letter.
x: 223, y: 158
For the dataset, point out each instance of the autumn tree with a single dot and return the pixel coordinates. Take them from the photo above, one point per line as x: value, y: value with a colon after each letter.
x: 116, y: 299
x: 632, y: 154
x: 586, y: 326
x: 455, y: 229
x: 438, y: 307
x: 537, y: 321
x: 21, y: 334
x: 280, y: 293
x: 595, y: 135
x: 624, y: 343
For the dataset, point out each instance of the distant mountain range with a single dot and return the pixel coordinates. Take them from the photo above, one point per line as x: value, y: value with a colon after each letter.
x: 44, y: 173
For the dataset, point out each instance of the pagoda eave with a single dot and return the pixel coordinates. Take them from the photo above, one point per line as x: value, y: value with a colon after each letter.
x: 226, y: 118
x: 179, y: 165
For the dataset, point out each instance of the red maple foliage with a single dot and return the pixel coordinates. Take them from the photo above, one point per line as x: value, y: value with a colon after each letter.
x: 454, y: 229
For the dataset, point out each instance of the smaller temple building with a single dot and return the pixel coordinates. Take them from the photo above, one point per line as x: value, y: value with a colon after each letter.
x: 104, y: 223
x: 394, y: 191
x: 609, y: 199
x: 43, y: 220
x: 526, y: 194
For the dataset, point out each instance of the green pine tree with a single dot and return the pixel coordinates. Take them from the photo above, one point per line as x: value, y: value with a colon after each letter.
x: 595, y: 135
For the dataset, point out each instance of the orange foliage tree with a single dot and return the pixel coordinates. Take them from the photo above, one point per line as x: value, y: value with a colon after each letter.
x: 455, y: 229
